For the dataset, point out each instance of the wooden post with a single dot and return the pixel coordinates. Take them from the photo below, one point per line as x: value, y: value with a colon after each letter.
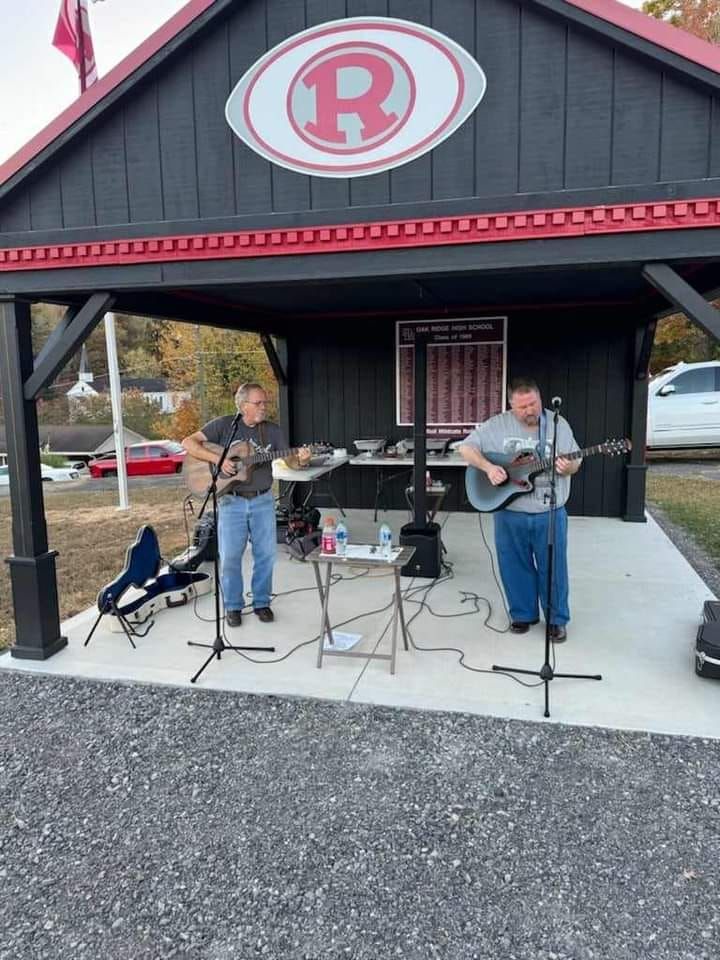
x: 32, y: 565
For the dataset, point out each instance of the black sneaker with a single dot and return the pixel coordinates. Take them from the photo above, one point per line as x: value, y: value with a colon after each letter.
x: 264, y: 614
x: 522, y: 626
x: 558, y: 634
x: 233, y: 618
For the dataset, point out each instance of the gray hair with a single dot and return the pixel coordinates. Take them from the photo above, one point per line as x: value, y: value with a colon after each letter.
x: 244, y: 390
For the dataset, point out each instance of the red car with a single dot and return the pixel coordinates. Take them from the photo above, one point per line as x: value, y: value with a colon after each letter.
x: 142, y: 459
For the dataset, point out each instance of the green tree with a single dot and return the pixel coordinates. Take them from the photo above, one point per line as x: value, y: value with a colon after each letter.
x: 139, y: 414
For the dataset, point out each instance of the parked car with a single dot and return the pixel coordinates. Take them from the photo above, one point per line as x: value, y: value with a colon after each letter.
x: 142, y: 459
x: 48, y: 474
x: 684, y: 406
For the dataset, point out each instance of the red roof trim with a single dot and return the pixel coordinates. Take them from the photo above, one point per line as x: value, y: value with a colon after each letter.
x: 662, y: 34
x: 381, y: 235
x: 104, y: 86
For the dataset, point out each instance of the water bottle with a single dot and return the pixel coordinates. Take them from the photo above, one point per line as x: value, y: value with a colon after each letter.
x: 329, y: 536
x: 341, y: 539
x: 385, y: 541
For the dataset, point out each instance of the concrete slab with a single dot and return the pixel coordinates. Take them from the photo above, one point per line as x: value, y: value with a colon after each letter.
x: 636, y: 606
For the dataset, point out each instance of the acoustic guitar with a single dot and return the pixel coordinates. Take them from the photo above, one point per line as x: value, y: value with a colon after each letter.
x: 199, y: 473
x: 521, y: 474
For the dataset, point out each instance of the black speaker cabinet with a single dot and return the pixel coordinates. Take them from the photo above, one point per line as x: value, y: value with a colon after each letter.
x: 426, y: 561
x: 707, y: 646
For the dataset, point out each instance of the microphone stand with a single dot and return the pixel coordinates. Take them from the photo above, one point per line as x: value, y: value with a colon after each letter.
x: 546, y: 672
x: 218, y: 646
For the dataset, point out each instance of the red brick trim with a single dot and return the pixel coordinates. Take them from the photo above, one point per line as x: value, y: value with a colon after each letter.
x: 384, y: 235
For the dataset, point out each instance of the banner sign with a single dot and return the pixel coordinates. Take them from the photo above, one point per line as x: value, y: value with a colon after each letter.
x: 466, y: 372
x: 353, y: 97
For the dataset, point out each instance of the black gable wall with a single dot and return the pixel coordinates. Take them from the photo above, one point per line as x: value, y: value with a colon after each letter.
x: 343, y: 388
x: 564, y: 110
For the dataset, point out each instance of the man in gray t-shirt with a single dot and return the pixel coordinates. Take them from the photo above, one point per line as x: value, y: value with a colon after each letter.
x: 248, y: 512
x: 521, y: 527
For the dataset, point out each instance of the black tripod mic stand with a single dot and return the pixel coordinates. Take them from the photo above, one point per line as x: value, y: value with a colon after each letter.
x: 218, y: 646
x: 546, y: 672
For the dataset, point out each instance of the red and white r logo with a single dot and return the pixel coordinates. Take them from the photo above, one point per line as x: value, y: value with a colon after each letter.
x: 355, y: 96
x: 351, y: 97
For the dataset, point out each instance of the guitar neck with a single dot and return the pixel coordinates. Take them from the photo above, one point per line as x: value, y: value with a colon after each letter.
x: 545, y: 462
x: 268, y: 455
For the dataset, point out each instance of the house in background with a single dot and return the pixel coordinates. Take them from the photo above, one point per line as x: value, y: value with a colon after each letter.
x: 76, y: 442
x: 154, y: 389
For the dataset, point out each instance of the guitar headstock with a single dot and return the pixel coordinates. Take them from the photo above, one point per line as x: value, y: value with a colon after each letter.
x: 617, y: 446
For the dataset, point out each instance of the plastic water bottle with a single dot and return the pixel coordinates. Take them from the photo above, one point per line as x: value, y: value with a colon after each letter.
x: 329, y: 536
x: 385, y: 541
x: 341, y: 539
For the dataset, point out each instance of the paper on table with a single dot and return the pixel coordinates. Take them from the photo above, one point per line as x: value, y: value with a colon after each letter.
x: 343, y: 641
x: 365, y: 551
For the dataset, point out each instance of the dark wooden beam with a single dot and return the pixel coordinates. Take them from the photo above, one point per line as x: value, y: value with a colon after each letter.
x: 66, y: 342
x: 273, y: 359
x: 56, y: 335
x: 284, y: 411
x: 647, y: 339
x: 693, y: 304
x: 636, y: 467
x: 32, y: 566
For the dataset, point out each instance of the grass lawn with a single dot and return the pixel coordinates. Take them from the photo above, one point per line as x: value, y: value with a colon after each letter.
x: 693, y: 504
x: 91, y: 537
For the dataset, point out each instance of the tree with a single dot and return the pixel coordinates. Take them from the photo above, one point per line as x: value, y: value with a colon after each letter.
x: 213, y: 362
x: 678, y: 339
x: 184, y: 421
x: 700, y: 17
x: 140, y: 414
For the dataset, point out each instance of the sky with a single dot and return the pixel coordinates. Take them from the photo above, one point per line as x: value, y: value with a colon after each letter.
x: 37, y: 82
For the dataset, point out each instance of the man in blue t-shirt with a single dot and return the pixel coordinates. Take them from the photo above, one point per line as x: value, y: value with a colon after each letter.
x: 246, y: 512
x: 521, y: 527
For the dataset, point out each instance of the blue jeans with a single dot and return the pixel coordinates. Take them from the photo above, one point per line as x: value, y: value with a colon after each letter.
x: 521, y: 544
x: 240, y: 520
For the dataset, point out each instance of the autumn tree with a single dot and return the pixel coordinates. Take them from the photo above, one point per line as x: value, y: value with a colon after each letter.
x: 700, y: 17
x: 184, y: 421
x: 678, y: 339
x: 212, y: 362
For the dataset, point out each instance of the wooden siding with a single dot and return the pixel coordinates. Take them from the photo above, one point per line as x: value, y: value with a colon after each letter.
x: 564, y: 109
x: 342, y: 387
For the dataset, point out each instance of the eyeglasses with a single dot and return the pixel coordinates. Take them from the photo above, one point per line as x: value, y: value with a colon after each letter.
x: 258, y: 403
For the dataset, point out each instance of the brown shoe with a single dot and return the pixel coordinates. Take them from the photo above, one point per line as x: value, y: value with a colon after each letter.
x: 558, y: 634
x: 522, y: 626
x: 264, y: 614
x: 233, y: 618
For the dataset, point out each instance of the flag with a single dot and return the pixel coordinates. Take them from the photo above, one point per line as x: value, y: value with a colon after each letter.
x: 72, y: 37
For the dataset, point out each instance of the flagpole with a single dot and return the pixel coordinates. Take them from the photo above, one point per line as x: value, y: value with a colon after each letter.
x: 81, y: 44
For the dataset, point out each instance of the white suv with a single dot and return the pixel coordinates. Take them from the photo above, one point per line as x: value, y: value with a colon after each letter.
x: 684, y: 406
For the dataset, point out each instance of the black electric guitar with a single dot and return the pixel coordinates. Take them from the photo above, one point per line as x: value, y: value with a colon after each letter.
x: 521, y: 473
x: 245, y: 457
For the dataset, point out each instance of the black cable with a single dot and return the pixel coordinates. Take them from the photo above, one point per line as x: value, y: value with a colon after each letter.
x: 476, y: 599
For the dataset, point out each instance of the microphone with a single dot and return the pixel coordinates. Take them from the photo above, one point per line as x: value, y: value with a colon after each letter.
x: 556, y: 403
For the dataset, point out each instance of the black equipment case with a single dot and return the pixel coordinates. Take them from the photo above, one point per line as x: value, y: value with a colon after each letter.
x: 707, y: 646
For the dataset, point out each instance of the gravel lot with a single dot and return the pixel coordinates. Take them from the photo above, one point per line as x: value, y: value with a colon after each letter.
x: 142, y: 822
